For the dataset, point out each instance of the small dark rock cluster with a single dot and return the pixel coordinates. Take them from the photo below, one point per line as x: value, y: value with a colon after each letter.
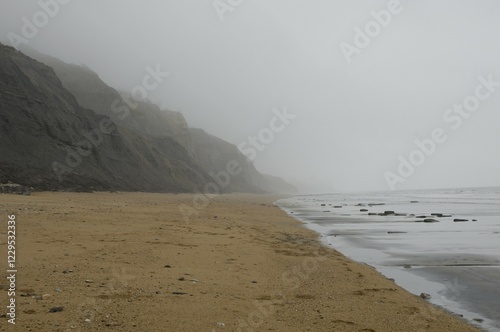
x: 14, y: 188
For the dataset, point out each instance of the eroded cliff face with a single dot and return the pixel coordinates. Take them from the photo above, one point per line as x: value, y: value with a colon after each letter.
x: 145, y: 138
x: 48, y: 141
x: 217, y: 157
x: 147, y: 118
x: 91, y: 92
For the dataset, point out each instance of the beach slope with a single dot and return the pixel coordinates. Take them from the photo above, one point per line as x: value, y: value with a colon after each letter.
x: 133, y: 262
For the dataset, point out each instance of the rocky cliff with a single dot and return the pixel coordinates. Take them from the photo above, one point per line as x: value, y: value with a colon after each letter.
x: 91, y: 92
x: 48, y: 141
x: 146, y: 148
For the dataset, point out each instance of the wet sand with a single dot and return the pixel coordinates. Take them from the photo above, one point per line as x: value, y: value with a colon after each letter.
x: 456, y: 263
x: 131, y: 262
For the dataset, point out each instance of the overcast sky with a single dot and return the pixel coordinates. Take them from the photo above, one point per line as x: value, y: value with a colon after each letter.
x: 360, y: 99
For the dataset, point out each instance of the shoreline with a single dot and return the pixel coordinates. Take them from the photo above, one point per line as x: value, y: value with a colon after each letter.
x: 457, y: 275
x: 129, y: 261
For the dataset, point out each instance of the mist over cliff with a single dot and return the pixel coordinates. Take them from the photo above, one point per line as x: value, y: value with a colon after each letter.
x: 64, y: 128
x: 367, y: 84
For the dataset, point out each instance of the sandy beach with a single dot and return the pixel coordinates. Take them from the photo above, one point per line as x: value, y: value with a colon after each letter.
x: 132, y: 262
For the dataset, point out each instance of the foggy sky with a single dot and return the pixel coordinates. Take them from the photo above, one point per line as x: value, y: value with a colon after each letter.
x: 353, y: 120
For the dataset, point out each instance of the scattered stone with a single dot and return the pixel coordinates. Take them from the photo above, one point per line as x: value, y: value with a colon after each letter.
x: 56, y: 309
x: 67, y: 271
x: 254, y: 282
x: 474, y: 219
x: 181, y: 279
x: 430, y: 220
x: 220, y: 324
x: 460, y: 220
x: 58, y: 290
x: 372, y: 214
x: 425, y: 296
x: 363, y: 210
x: 168, y: 266
x: 376, y: 204
x: 179, y: 293
x: 396, y: 232
x: 46, y: 296
x: 14, y: 188
x: 479, y: 320
x: 338, y: 207
x: 88, y: 320
x: 390, y: 213
x: 441, y: 215
x: 413, y: 202
x: 407, y: 266
x: 89, y: 281
x: 29, y: 311
x: 323, y: 204
x: 400, y: 214
x: 422, y: 217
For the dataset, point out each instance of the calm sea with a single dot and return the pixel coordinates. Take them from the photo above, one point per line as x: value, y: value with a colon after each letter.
x: 455, y: 257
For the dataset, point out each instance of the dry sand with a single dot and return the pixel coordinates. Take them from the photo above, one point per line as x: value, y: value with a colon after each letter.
x: 115, y: 260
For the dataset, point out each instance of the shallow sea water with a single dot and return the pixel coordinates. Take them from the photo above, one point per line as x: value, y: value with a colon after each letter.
x: 457, y: 263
